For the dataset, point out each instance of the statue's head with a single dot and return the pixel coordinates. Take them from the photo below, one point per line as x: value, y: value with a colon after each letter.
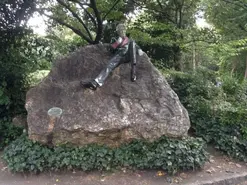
x: 121, y: 30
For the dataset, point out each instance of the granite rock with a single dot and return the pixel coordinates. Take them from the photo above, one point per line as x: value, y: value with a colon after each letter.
x: 115, y: 113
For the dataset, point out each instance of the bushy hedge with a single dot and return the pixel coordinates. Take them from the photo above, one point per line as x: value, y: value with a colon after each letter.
x: 167, y: 154
x: 8, y: 132
x: 218, y: 114
x: 227, y: 138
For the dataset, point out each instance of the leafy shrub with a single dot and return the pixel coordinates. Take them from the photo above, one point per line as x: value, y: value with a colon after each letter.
x: 234, y: 146
x: 228, y: 138
x: 21, y: 53
x: 8, y: 132
x: 4, y: 99
x: 36, y: 77
x: 197, y: 92
x: 217, y: 114
x: 168, y: 154
x: 230, y: 85
x: 199, y: 84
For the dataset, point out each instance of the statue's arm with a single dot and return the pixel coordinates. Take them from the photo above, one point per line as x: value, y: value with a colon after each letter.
x: 116, y: 44
x: 113, y: 46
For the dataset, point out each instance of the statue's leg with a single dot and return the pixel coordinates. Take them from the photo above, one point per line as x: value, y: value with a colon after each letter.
x: 112, y: 64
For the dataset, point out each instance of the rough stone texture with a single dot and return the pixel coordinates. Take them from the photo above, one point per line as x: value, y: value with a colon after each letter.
x: 116, y: 113
x: 20, y: 120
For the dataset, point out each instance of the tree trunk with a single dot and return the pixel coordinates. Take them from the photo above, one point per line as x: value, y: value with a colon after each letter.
x: 245, y: 75
x: 234, y: 65
x: 178, y: 63
x: 193, y: 56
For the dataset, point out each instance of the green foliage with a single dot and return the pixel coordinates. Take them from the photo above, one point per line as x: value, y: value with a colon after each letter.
x: 17, y: 59
x: 61, y: 41
x: 4, y: 99
x: 36, y: 77
x: 227, y: 131
x: 194, y: 87
x: 162, y: 29
x: 12, y: 80
x: 8, y: 133
x: 229, y: 17
x: 218, y: 114
x: 15, y: 13
x: 167, y: 154
x: 84, y: 19
x: 229, y: 20
x: 16, y: 55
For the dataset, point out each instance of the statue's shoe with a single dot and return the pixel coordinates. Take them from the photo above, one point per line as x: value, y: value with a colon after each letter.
x: 90, y: 85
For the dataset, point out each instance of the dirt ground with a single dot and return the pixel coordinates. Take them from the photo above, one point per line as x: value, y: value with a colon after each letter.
x: 217, y: 169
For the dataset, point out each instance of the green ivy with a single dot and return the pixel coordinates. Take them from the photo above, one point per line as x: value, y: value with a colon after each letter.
x: 8, y: 132
x: 167, y: 154
x: 228, y: 138
x: 217, y: 114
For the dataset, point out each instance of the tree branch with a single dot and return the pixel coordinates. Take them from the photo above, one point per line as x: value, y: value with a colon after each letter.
x: 236, y: 3
x: 82, y: 5
x: 166, y: 16
x: 77, y: 31
x: 159, y: 3
x: 163, y: 13
x: 242, y: 3
x: 90, y: 16
x: 201, y: 40
x: 99, y: 21
x: 76, y: 16
x: 109, y: 11
x: 242, y: 27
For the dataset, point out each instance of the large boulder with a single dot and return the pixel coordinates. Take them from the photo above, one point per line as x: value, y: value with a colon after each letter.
x: 115, y: 113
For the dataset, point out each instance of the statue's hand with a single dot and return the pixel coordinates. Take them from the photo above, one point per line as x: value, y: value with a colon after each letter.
x: 113, y: 40
x: 140, y: 52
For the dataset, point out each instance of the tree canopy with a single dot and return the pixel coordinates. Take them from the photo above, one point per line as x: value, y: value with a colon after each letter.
x: 85, y: 18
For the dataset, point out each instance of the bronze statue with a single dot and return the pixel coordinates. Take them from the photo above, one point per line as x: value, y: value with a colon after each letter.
x: 120, y: 48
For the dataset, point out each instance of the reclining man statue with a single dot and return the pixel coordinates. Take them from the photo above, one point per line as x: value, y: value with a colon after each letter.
x: 120, y: 48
